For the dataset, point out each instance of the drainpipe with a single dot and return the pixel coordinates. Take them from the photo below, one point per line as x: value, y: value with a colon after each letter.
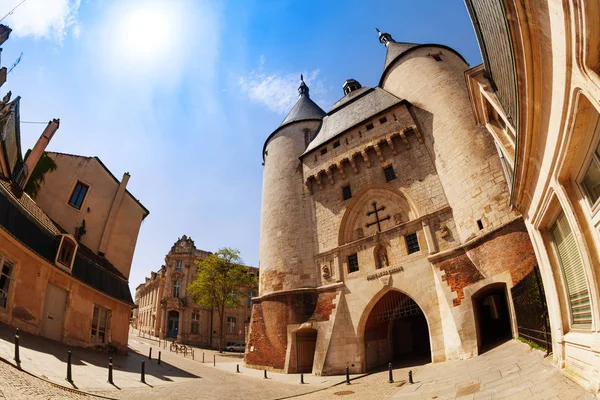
x: 40, y: 147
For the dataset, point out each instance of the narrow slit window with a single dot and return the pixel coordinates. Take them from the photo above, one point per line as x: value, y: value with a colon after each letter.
x: 437, y: 57
x: 346, y: 192
x: 352, y: 263
x: 390, y: 175
x: 412, y: 243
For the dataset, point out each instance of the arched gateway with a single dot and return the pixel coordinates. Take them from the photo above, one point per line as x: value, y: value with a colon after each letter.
x: 396, y: 331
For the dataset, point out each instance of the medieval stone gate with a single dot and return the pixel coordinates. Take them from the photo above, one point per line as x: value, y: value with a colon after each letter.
x: 396, y: 330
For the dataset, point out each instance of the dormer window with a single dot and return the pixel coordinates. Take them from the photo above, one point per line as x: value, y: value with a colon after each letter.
x: 66, y: 252
x: 350, y: 86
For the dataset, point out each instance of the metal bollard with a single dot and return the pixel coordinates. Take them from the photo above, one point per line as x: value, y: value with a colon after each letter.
x: 185, y: 352
x: 237, y: 369
x: 150, y: 354
x: 202, y: 358
x: 159, y: 357
x: 302, y: 379
x: 265, y: 377
x: 391, y: 377
x: 347, y: 376
x: 143, y: 380
x: 214, y: 360
x: 110, y: 367
x: 410, y: 379
x: 17, y: 358
x: 192, y: 354
x: 69, y: 376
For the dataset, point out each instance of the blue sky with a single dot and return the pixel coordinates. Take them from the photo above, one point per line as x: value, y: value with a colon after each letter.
x: 183, y: 93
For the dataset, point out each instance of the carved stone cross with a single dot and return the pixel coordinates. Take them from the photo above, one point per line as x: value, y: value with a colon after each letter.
x: 377, y: 219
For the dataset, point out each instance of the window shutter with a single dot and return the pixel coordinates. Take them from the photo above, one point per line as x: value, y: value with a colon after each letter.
x: 572, y: 267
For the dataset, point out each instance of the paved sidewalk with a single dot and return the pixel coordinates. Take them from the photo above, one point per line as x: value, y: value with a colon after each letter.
x: 509, y: 371
x: 177, y: 377
x: 48, y: 359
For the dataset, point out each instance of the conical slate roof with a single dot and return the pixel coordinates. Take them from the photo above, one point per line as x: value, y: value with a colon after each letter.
x: 394, y: 49
x: 305, y: 109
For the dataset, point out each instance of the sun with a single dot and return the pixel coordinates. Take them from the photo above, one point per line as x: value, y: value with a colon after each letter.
x: 147, y: 32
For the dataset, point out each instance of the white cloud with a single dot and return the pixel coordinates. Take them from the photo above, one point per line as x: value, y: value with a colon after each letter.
x: 49, y: 19
x: 279, y: 91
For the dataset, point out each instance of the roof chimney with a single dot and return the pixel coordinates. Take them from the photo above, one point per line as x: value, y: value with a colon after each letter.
x: 40, y: 147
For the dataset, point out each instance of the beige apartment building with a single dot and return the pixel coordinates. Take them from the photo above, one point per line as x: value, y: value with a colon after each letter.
x: 64, y: 256
x: 167, y: 311
x: 538, y: 95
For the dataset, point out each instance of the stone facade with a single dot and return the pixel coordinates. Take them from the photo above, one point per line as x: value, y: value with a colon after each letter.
x: 386, y: 226
x: 541, y: 63
x: 167, y: 311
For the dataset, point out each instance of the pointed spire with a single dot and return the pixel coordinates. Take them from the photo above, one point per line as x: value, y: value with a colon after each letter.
x: 385, y: 38
x: 303, y: 89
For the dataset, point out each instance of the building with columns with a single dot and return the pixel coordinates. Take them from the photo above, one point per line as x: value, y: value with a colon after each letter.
x: 537, y: 94
x: 386, y: 233
x: 167, y: 311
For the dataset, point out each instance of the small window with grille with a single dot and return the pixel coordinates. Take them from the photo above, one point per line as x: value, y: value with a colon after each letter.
x: 346, y: 192
x: 382, y: 120
x: 352, y: 263
x: 390, y: 175
x: 412, y: 243
x: 369, y: 126
x: 336, y: 144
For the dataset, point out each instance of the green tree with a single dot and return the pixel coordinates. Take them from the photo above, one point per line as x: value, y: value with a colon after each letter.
x: 45, y: 164
x: 221, y: 282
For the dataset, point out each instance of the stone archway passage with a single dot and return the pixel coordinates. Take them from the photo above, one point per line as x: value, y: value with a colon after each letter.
x: 492, y: 317
x: 172, y: 324
x: 396, y: 331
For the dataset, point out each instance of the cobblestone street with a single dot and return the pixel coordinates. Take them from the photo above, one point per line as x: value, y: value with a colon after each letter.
x: 18, y: 385
x: 511, y: 370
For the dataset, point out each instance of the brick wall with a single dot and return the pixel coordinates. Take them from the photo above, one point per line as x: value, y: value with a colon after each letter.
x: 509, y: 248
x: 459, y: 272
x: 324, y: 306
x: 270, y: 319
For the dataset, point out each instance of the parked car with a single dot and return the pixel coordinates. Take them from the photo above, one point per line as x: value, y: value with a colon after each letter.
x: 241, y: 347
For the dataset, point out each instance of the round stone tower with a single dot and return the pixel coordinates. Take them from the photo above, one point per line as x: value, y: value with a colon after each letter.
x: 431, y: 77
x: 286, y: 234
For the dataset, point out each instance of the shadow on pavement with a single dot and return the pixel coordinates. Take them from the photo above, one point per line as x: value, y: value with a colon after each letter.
x: 131, y: 362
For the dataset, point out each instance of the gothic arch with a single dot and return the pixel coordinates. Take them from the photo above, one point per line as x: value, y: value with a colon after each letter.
x: 372, y: 306
x: 363, y: 198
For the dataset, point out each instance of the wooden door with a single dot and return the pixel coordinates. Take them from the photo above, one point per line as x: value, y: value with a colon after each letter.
x: 305, y: 350
x: 54, y: 312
